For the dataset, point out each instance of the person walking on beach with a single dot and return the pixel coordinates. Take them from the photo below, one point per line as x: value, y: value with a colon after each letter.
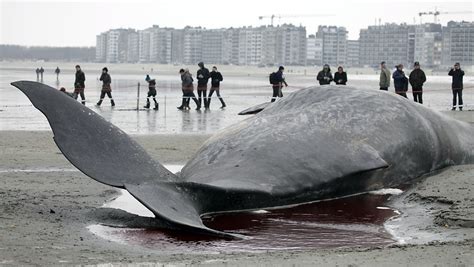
x: 216, y: 79
x: 151, y: 92
x: 457, y: 85
x: 324, y: 76
x: 203, y: 78
x: 106, y: 88
x: 79, y: 84
x: 417, y: 78
x: 340, y: 77
x: 41, y: 71
x: 384, y: 77
x: 277, y: 79
x: 57, y: 71
x: 400, y: 81
x: 188, y: 90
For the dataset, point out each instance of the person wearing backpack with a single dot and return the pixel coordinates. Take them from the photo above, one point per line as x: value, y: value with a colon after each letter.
x: 277, y: 80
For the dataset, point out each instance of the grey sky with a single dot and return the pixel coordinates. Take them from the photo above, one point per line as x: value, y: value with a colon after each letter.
x: 76, y: 23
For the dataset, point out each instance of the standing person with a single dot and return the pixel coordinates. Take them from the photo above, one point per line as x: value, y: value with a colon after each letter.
x: 384, y: 77
x: 216, y: 79
x: 41, y: 71
x: 277, y: 79
x: 37, y: 74
x: 400, y: 81
x: 203, y: 78
x: 417, y: 79
x: 340, y: 77
x: 106, y: 88
x: 325, y: 76
x: 151, y: 92
x: 79, y: 84
x: 57, y: 71
x: 188, y: 88
x: 457, y: 85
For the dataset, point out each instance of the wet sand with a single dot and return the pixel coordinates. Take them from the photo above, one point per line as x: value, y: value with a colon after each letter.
x: 44, y: 213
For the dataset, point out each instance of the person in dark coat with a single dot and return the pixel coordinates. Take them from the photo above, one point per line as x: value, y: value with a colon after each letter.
x: 457, y: 85
x: 400, y: 81
x: 417, y: 79
x: 188, y: 90
x: 203, y: 78
x: 79, y: 84
x: 216, y: 79
x: 324, y: 76
x: 340, y: 77
x: 57, y: 71
x: 277, y: 81
x: 106, y: 88
x: 151, y: 92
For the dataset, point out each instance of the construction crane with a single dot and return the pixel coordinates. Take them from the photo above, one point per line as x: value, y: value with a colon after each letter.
x: 272, y: 17
x: 436, y: 13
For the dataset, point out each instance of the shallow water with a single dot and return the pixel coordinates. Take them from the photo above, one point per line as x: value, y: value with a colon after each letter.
x: 239, y: 92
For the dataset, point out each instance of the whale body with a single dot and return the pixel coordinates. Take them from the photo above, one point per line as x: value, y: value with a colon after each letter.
x: 317, y: 143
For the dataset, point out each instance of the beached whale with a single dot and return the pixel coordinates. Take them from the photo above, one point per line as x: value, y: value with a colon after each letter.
x: 317, y: 143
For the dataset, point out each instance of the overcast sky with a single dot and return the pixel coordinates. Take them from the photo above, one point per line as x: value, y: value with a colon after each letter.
x: 76, y: 23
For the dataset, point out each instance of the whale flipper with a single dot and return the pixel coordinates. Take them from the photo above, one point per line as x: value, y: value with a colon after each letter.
x: 255, y: 109
x: 95, y: 146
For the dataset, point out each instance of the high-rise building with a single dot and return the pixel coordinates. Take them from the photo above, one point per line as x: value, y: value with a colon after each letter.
x: 353, y: 52
x: 177, y: 46
x: 101, y: 47
x: 428, y: 45
x: 192, y: 45
x: 250, y: 46
x: 334, y: 44
x: 212, y: 46
x: 133, y: 47
x: 458, y: 43
x: 314, y: 51
x: 144, y: 39
x: 392, y: 43
x: 293, y: 45
x: 160, y: 44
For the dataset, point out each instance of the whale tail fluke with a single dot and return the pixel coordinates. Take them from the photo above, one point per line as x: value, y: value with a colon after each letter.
x: 107, y: 154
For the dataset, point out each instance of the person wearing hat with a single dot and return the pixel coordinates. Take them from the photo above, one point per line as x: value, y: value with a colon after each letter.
x: 151, y: 92
x: 203, y: 78
x: 385, y: 75
x: 417, y: 78
x: 106, y: 88
x: 457, y: 85
x: 79, y: 84
x: 400, y: 81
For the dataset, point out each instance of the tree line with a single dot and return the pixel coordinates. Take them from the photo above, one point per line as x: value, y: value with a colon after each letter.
x: 17, y: 52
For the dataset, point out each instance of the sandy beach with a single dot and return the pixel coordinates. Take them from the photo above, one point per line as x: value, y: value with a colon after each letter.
x: 47, y: 205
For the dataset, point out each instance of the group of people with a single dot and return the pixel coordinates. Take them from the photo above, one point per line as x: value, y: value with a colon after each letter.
x: 79, y: 85
x: 203, y: 76
x: 187, y: 86
x: 416, y: 79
